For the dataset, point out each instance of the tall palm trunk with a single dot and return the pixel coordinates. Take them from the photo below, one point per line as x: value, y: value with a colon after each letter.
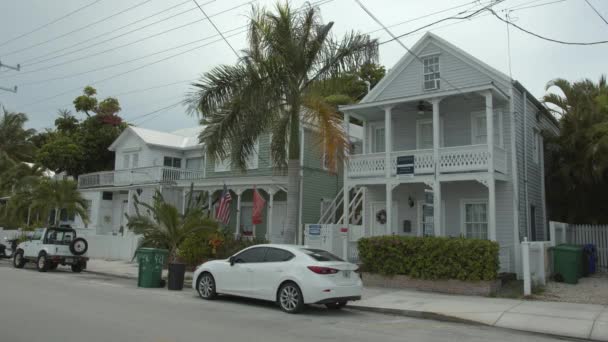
x: 293, y: 201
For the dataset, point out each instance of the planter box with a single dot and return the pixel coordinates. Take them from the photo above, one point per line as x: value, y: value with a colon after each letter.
x: 451, y: 286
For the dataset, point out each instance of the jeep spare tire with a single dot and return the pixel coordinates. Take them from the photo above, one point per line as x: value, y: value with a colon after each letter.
x: 79, y: 246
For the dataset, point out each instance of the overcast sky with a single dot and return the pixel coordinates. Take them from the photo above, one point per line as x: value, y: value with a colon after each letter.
x: 42, y: 92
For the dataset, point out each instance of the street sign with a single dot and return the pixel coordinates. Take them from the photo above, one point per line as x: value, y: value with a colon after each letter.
x: 314, y: 229
x: 405, y: 165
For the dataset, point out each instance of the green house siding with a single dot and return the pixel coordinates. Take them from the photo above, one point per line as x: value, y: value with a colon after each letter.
x: 264, y: 164
x: 318, y: 184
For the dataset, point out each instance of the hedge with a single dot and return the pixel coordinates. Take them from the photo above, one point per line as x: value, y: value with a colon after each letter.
x: 430, y: 257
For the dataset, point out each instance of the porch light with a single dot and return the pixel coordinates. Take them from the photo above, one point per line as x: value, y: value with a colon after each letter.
x: 422, y: 108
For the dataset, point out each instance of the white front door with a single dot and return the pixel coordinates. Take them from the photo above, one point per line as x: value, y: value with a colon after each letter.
x: 279, y: 214
x: 426, y: 217
x: 378, y: 227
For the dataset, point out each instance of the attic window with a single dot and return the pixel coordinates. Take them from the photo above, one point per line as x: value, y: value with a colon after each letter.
x: 431, y: 72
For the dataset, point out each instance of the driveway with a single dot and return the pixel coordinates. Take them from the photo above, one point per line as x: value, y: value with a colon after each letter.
x: 62, y: 306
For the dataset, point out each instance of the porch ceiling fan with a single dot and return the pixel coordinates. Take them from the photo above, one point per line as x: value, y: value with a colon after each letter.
x: 423, y: 107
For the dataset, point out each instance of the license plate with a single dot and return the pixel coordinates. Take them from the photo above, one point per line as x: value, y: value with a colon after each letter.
x: 69, y: 260
x: 346, y: 274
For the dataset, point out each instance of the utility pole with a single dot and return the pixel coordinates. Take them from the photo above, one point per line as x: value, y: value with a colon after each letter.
x: 16, y: 68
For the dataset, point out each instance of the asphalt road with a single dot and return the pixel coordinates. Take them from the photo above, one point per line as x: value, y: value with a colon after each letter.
x: 62, y: 306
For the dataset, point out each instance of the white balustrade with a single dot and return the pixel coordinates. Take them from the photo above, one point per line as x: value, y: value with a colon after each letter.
x: 366, y: 165
x: 463, y: 158
x: 142, y: 175
x: 451, y: 159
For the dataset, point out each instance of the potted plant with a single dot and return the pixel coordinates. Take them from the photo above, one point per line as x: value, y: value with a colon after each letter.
x: 163, y: 226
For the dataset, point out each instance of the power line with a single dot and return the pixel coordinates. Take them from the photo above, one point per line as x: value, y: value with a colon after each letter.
x: 153, y: 112
x: 215, y: 27
x: 78, y: 29
x: 134, y: 91
x: 49, y: 23
x: 127, y: 33
x: 124, y: 62
x: 596, y: 11
x: 102, y: 34
x: 519, y: 8
x: 543, y: 37
x: 128, y: 71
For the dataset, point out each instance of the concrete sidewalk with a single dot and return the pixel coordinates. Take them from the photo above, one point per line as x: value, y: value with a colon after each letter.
x: 119, y: 268
x: 586, y: 321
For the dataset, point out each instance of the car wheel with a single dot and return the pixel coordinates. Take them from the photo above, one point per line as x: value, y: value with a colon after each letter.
x: 205, y: 286
x: 18, y: 260
x: 79, y: 246
x: 336, y: 306
x: 290, y: 298
x: 42, y: 264
x: 77, y: 268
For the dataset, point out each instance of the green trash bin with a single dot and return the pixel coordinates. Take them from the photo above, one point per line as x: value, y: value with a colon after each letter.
x: 151, y: 262
x: 568, y: 262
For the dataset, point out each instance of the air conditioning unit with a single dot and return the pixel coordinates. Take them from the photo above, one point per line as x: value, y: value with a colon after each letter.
x: 431, y: 85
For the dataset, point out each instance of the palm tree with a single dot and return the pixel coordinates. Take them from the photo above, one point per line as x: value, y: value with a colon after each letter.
x: 577, y: 163
x: 14, y: 138
x: 162, y: 226
x: 57, y: 195
x: 276, y: 85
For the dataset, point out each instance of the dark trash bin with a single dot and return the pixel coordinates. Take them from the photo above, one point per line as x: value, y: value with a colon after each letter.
x: 177, y: 273
x: 568, y: 263
x: 589, y: 259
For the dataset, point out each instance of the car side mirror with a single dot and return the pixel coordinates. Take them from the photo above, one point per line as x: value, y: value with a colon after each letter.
x: 231, y: 261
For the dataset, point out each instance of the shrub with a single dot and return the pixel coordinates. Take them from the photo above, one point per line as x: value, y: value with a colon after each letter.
x: 430, y: 257
x: 196, y: 249
x: 230, y: 246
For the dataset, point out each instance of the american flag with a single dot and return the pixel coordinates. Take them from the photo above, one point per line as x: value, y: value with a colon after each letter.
x: 222, y: 213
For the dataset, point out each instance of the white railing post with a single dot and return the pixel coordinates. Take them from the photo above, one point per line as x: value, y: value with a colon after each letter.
x: 552, y: 234
x: 525, y: 257
x: 437, y: 229
x: 269, y: 212
x: 541, y: 263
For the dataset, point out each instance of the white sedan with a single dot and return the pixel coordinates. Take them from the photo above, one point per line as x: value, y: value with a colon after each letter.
x: 290, y: 275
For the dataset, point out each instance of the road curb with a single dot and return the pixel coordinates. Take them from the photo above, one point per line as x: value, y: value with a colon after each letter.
x: 452, y: 319
x: 122, y: 276
x: 417, y: 314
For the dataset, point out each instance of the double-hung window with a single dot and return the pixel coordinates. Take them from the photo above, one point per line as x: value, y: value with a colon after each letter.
x: 379, y: 139
x: 475, y: 219
x: 431, y: 72
x: 479, y: 131
x: 172, y: 162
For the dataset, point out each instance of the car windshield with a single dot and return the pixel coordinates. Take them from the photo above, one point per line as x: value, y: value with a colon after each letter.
x: 320, y: 255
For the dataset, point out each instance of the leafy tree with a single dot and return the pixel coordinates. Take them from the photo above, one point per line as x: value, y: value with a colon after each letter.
x: 274, y: 87
x: 63, y: 153
x: 79, y: 147
x: 162, y: 225
x: 577, y: 159
x: 14, y: 138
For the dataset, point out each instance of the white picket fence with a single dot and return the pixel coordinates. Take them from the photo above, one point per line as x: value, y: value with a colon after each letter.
x: 582, y: 234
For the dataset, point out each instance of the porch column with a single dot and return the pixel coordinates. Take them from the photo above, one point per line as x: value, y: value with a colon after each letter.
x: 388, y: 146
x: 389, y: 208
x: 490, y: 130
x: 211, y: 206
x: 346, y: 194
x: 184, y: 194
x: 437, y: 228
x: 364, y: 138
x: 238, y: 193
x: 269, y: 213
x: 491, y: 208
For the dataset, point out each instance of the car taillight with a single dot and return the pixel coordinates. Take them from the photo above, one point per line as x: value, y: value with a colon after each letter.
x: 323, y: 270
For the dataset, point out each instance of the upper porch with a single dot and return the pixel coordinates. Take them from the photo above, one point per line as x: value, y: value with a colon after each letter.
x: 138, y: 176
x: 440, y: 132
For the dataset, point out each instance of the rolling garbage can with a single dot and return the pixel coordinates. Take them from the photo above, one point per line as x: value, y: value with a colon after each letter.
x: 568, y: 263
x: 590, y: 259
x: 151, y: 262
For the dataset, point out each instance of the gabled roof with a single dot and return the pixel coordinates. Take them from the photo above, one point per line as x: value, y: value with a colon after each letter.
x: 416, y: 50
x: 464, y: 56
x: 184, y: 139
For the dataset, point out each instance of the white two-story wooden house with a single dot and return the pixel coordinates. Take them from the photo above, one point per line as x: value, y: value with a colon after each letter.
x: 454, y: 146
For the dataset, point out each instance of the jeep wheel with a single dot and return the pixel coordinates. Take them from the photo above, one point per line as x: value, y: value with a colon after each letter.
x: 42, y: 264
x: 77, y: 268
x: 18, y: 260
x: 79, y: 246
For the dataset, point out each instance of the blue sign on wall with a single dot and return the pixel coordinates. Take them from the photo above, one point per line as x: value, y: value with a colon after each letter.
x: 405, y: 165
x: 314, y: 229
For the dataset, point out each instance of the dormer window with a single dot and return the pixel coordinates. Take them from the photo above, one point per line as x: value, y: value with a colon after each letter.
x: 431, y: 72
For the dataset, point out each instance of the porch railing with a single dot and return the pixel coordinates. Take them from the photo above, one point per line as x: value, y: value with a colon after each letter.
x: 451, y: 159
x: 141, y: 175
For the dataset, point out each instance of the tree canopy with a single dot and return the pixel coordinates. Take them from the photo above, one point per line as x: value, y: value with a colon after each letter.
x: 577, y: 159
